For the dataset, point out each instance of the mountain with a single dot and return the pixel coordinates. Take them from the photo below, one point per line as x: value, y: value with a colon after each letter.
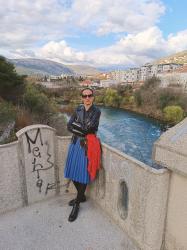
x: 180, y: 57
x: 112, y: 68
x: 39, y: 66
x: 84, y: 69
x: 33, y: 66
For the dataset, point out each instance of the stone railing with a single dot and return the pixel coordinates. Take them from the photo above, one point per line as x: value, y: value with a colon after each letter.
x: 6, y: 133
x: 132, y: 193
x: 171, y: 152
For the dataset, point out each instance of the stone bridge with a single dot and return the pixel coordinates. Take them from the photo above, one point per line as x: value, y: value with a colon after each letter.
x: 131, y: 206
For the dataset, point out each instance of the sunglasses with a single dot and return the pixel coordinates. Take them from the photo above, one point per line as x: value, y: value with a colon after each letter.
x: 85, y: 96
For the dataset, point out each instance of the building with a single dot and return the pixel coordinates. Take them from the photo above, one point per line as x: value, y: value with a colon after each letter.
x: 175, y: 78
x: 134, y: 75
x: 107, y: 83
x: 145, y: 72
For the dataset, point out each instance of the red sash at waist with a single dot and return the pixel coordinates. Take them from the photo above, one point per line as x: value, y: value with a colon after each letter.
x: 93, y: 154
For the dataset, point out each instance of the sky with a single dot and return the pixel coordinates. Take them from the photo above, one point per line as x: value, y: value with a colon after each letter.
x: 100, y: 33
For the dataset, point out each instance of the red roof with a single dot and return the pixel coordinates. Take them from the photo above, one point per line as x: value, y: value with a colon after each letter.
x: 86, y: 83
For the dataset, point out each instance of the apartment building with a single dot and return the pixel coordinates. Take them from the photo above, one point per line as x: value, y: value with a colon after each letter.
x: 146, y: 71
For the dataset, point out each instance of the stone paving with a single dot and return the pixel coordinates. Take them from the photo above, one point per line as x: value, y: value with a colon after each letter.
x: 44, y: 226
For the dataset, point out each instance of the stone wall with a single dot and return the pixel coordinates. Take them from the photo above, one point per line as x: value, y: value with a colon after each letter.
x: 28, y: 170
x: 171, y: 151
x: 149, y: 204
x: 132, y: 193
x: 11, y: 195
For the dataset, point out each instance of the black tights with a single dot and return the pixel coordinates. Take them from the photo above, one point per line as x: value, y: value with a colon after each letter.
x: 81, y: 188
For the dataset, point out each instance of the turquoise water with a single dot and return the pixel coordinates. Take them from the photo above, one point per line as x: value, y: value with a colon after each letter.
x: 129, y: 132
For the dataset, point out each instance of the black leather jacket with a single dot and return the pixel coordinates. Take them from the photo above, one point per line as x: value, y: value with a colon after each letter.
x: 84, y: 122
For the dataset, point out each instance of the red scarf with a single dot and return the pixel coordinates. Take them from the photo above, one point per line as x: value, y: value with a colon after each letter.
x: 93, y: 154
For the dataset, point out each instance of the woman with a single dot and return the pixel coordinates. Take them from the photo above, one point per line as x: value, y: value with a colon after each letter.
x: 83, y: 158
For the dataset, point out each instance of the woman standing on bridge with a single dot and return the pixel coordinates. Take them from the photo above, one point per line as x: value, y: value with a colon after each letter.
x: 83, y: 159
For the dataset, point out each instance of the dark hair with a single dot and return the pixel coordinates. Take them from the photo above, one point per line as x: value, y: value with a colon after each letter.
x: 87, y: 88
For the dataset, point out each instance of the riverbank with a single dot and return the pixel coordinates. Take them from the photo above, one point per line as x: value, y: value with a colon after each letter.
x: 156, y: 116
x: 150, y: 114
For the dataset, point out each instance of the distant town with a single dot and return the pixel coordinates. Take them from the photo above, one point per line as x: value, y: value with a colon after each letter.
x: 170, y: 74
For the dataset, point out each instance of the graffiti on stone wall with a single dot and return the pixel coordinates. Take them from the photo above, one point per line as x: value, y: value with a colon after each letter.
x: 38, y: 149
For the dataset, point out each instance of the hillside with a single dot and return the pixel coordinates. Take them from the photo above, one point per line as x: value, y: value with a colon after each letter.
x: 46, y: 67
x: 40, y: 66
x: 84, y: 69
x: 180, y: 57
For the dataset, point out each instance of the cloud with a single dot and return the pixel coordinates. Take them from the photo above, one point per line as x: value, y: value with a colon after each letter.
x: 131, y: 50
x: 26, y: 23
x: 39, y: 28
x: 108, y: 16
x: 60, y: 51
x: 178, y: 42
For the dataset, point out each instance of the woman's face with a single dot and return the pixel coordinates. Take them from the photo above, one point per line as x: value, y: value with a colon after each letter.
x: 87, y: 97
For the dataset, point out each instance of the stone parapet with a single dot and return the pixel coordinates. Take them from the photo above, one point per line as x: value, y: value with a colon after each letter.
x: 171, y: 149
x: 149, y: 204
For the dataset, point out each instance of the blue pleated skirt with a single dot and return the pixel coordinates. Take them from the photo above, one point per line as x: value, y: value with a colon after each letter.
x: 76, y: 164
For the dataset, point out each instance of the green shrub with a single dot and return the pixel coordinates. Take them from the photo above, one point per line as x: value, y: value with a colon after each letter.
x: 173, y: 114
x: 99, y: 99
x: 168, y: 97
x: 37, y: 102
x: 7, y: 112
x: 131, y: 99
x: 138, y: 98
x: 127, y: 100
x: 112, y: 98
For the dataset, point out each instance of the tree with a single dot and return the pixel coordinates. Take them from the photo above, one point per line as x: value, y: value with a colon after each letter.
x: 112, y: 98
x: 152, y: 82
x: 11, y: 84
x: 173, y: 114
x: 37, y: 102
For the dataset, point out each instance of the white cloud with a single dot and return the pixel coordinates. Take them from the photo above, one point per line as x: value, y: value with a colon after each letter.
x: 131, y: 50
x: 39, y: 28
x: 26, y: 23
x: 108, y: 16
x: 61, y: 52
x: 178, y: 42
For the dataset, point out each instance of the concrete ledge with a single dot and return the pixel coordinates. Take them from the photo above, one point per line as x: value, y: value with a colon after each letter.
x: 137, y: 162
x: 171, y: 151
x: 31, y: 127
x: 171, y: 148
x: 9, y: 144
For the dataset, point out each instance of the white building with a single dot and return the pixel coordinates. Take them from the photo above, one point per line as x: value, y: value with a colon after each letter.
x: 51, y: 85
x: 96, y: 85
x: 107, y: 83
x: 126, y: 76
x: 146, y: 71
x: 133, y: 75
x: 149, y: 70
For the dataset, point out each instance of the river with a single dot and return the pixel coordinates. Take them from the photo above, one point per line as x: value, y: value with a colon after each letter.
x: 129, y: 132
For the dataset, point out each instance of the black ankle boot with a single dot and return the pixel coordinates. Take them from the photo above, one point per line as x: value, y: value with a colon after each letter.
x: 72, y: 202
x: 74, y: 212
